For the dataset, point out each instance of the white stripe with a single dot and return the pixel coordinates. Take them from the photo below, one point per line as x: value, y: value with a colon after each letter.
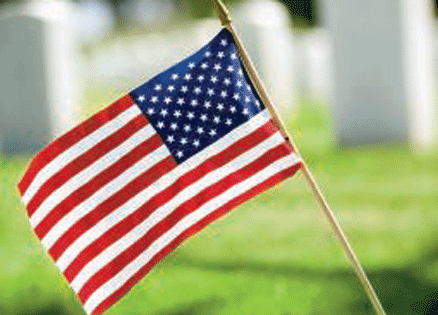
x: 235, y: 135
x: 162, y: 212
x: 161, y: 184
x: 102, y: 194
x: 88, y: 173
x: 77, y: 149
x: 120, y: 279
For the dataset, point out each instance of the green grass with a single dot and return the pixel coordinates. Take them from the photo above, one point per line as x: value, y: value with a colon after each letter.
x: 274, y: 254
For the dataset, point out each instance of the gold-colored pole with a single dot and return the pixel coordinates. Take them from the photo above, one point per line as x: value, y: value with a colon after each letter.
x: 225, y: 19
x: 222, y: 12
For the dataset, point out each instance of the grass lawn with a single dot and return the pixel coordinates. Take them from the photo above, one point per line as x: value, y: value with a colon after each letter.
x: 274, y: 254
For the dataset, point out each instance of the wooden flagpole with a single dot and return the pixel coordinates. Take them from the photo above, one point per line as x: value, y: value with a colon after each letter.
x: 225, y: 19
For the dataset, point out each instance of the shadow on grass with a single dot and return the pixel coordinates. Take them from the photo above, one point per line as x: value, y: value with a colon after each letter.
x: 48, y: 310
x: 207, y: 306
x: 401, y: 291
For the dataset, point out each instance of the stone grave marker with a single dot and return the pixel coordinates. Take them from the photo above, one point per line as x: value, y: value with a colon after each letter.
x: 383, y: 59
x: 35, y: 77
x: 266, y: 31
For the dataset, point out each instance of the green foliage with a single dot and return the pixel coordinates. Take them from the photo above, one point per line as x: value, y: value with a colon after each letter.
x: 303, y: 12
x: 274, y: 254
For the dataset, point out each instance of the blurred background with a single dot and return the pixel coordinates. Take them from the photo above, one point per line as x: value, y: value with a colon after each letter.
x: 355, y: 83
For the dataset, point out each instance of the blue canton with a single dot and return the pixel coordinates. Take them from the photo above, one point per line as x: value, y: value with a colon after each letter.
x: 199, y: 100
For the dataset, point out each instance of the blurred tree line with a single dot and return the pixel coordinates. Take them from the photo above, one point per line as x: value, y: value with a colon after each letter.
x: 303, y: 12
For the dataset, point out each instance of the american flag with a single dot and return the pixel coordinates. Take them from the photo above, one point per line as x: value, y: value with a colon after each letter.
x: 110, y: 198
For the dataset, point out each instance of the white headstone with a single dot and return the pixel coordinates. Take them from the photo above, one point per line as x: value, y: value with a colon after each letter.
x: 24, y: 114
x: 418, y: 30
x: 313, y: 66
x: 266, y: 31
x: 383, y: 58
x: 36, y: 76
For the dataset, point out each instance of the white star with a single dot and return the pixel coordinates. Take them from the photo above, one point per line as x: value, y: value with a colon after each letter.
x: 248, y: 87
x: 154, y: 99
x: 160, y: 125
x: 229, y: 122
x: 163, y: 112
x: 204, y: 65
x: 181, y: 101
x: 170, y: 139
x: 187, y: 128
x: 233, y: 109
x: 227, y: 81
x: 247, y: 99
x: 203, y: 117
x: 221, y: 54
x: 177, y: 113
x: 213, y: 79
x: 170, y: 88
x: 196, y: 143
x: 207, y: 54
x: 210, y: 92
x: 184, y: 89
x: 224, y: 94
x: 257, y: 103
x: 183, y: 141
x: 157, y: 87
x: 200, y: 130
x: 240, y: 72
x: 230, y: 69
x: 220, y: 106
x: 212, y: 132
x: 217, y: 119
x: 224, y: 42
x: 173, y: 126
x: 174, y: 76
x: 179, y: 154
x: 191, y: 65
x: 194, y: 103
x: 167, y: 100
x: 245, y: 111
x: 188, y: 77
x: 236, y: 96
x: 141, y: 98
x: 190, y: 115
x: 233, y: 56
x: 197, y: 90
x: 207, y: 104
x: 239, y: 84
x: 151, y: 110
x: 217, y: 66
x: 201, y: 78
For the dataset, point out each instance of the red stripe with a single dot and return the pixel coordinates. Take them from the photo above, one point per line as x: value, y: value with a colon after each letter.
x: 116, y: 200
x: 89, y: 188
x: 123, y: 227
x: 205, y: 195
x: 113, y: 298
x: 84, y: 160
x: 73, y: 136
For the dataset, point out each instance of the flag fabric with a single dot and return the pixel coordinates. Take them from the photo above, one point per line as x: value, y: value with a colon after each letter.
x: 114, y: 195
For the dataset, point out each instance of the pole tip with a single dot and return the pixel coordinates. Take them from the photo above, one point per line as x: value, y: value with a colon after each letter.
x: 222, y: 12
